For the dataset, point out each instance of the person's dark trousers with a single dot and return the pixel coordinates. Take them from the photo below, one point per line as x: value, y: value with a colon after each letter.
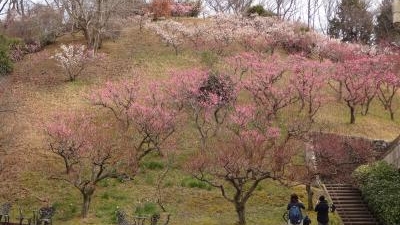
x: 322, y: 223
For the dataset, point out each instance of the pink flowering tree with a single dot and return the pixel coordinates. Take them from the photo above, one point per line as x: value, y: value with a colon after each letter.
x: 265, y: 83
x: 336, y: 155
x: 147, y: 122
x: 87, y: 153
x: 206, y: 96
x: 180, y: 9
x: 355, y: 80
x: 388, y: 82
x: 242, y: 158
x: 73, y: 59
x: 257, y: 140
x: 309, y: 77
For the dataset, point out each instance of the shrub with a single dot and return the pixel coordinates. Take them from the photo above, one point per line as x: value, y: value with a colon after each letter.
x: 6, y: 64
x: 152, y: 165
x: 194, y: 183
x: 259, y: 9
x: 379, y: 186
x: 145, y: 209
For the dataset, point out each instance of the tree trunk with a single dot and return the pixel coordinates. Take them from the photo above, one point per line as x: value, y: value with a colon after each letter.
x: 391, y: 113
x: 240, y: 210
x: 352, y: 116
x: 309, y: 197
x: 86, y: 203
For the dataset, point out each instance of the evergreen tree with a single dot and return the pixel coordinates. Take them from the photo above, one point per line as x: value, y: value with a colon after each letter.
x: 352, y: 22
x: 384, y: 29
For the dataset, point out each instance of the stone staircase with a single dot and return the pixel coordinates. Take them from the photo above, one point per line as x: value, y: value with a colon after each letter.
x: 350, y: 205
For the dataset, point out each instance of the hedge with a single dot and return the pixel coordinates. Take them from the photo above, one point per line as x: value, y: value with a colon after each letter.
x: 6, y: 64
x: 380, y: 187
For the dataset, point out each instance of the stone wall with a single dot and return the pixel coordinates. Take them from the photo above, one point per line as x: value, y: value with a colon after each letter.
x: 393, y: 154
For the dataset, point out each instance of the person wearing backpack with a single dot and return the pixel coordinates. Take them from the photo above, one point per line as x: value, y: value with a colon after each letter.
x: 322, y: 209
x: 294, y: 210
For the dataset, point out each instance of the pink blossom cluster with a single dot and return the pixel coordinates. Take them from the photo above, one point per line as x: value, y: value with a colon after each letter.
x: 181, y: 9
x: 259, y: 34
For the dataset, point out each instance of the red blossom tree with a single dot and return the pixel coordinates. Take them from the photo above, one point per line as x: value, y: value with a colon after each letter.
x: 309, y: 77
x: 241, y: 160
x: 388, y: 83
x: 87, y: 152
x: 148, y: 122
x: 355, y: 80
x: 257, y: 141
x: 337, y: 156
x: 206, y: 96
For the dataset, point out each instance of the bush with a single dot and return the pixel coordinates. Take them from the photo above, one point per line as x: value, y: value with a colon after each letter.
x: 6, y: 64
x: 194, y: 183
x: 152, y: 165
x: 145, y: 209
x: 259, y: 9
x: 379, y: 184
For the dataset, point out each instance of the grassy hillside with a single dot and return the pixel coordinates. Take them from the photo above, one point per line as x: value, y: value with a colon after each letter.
x: 37, y: 89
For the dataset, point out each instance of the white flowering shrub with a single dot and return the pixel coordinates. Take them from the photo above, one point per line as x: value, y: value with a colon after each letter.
x: 73, y: 59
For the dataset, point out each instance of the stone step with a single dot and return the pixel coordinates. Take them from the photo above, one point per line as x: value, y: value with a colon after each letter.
x: 353, y: 207
x: 358, y: 216
x: 347, y: 200
x: 362, y: 223
x: 338, y: 196
x: 343, y: 189
x: 344, y: 193
x: 350, y: 205
x: 353, y: 212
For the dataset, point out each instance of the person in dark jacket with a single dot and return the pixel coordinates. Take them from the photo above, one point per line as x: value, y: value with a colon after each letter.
x: 322, y: 209
x: 294, y: 200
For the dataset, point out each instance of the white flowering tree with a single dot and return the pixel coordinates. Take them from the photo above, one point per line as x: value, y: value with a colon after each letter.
x: 73, y: 59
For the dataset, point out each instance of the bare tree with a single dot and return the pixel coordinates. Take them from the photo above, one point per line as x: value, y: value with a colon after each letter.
x: 329, y: 7
x: 285, y: 9
x: 16, y: 5
x: 91, y: 16
x: 313, y: 7
x: 226, y: 6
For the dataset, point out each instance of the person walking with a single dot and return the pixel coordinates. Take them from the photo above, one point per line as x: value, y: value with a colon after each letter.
x: 322, y: 209
x: 294, y: 209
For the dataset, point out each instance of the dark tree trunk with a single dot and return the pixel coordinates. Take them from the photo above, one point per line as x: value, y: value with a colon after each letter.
x: 352, y: 116
x: 240, y: 210
x: 352, y: 112
x: 309, y: 197
x: 87, y: 193
x: 389, y: 108
x: 86, y: 203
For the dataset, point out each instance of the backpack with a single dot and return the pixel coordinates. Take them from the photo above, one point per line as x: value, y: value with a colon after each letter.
x: 306, y: 221
x: 295, y: 214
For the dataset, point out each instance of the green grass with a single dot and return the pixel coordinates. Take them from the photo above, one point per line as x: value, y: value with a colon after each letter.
x: 39, y: 95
